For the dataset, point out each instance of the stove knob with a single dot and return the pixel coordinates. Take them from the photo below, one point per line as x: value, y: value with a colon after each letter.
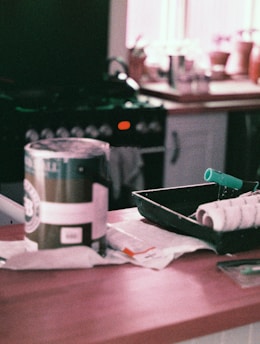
x: 92, y: 131
x: 141, y: 127
x: 77, y: 132
x: 105, y: 130
x: 31, y: 135
x: 47, y: 134
x: 155, y: 127
x: 62, y: 132
x: 129, y: 104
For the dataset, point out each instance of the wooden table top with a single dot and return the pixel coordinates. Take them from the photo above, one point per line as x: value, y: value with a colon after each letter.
x: 126, y: 303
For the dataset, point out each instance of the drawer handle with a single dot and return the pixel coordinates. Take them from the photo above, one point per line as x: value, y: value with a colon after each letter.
x: 176, y: 147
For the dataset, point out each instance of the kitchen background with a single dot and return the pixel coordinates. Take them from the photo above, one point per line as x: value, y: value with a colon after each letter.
x: 53, y: 65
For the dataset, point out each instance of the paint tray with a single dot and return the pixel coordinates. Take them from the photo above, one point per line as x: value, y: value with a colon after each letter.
x: 171, y: 208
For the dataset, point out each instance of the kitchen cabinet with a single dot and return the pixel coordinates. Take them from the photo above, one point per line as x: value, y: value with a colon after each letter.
x: 193, y: 143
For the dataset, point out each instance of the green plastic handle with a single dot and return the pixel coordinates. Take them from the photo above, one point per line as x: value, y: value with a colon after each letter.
x: 222, y: 179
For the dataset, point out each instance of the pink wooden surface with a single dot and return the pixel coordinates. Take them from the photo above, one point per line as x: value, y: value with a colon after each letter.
x: 219, y: 90
x: 125, y: 304
x: 12, y: 232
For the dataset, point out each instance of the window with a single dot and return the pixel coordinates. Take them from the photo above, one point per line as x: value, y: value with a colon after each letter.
x: 208, y: 18
x: 165, y: 24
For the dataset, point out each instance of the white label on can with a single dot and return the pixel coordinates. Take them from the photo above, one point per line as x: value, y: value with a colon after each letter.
x: 67, y: 214
x: 71, y: 235
x: 94, y: 212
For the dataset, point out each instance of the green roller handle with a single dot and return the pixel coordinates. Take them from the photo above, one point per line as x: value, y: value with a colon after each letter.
x: 224, y: 179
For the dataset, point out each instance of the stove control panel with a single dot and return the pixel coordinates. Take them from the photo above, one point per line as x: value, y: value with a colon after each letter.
x: 141, y: 127
x: 130, y: 127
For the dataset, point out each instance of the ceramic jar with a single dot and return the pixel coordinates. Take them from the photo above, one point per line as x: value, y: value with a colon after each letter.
x: 254, y: 63
x: 238, y: 63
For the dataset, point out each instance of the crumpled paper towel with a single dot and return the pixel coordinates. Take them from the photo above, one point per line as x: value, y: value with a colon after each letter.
x: 137, y: 242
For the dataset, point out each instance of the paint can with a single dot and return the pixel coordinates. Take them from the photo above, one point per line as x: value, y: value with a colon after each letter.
x: 66, y: 192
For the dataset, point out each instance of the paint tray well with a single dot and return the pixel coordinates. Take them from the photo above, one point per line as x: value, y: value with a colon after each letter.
x: 171, y: 209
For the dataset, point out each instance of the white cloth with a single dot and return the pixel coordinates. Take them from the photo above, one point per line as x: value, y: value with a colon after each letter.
x: 125, y: 166
x: 231, y: 214
x: 148, y: 246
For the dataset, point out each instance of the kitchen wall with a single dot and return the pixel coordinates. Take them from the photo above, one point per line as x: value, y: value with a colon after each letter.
x: 117, y: 28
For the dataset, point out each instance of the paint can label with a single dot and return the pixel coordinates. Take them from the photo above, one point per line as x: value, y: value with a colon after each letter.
x: 66, y: 192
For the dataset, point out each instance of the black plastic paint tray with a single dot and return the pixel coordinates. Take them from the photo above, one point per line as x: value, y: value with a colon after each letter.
x: 170, y: 209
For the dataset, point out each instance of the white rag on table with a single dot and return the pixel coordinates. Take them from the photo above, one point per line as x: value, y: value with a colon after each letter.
x: 137, y: 242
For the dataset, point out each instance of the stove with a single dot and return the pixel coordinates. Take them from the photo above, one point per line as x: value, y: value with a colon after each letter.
x: 134, y: 122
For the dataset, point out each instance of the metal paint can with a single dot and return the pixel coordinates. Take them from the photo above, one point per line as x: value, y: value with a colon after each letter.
x: 66, y: 192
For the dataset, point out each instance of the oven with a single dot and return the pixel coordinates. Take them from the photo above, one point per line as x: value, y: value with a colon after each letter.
x: 135, y: 129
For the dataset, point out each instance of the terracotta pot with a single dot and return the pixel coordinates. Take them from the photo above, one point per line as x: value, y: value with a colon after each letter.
x: 218, y: 60
x: 239, y: 59
x: 254, y: 64
x: 136, y: 65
